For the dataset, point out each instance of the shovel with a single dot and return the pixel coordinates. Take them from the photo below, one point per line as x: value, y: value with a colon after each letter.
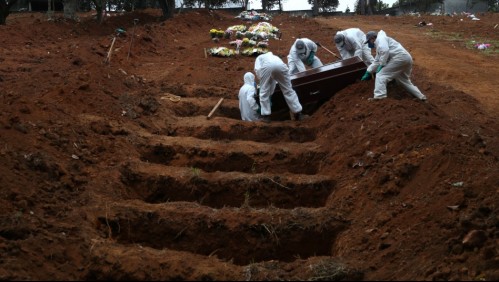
x: 331, y: 52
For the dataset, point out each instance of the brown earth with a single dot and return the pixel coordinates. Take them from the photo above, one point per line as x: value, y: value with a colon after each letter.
x: 112, y: 171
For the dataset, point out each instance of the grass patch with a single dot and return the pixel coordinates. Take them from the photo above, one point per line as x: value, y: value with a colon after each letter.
x: 491, y: 50
x: 468, y: 43
x: 195, y: 171
x: 452, y: 36
x: 328, y: 270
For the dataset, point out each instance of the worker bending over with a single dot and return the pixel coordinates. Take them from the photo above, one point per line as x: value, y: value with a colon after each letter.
x: 302, y: 54
x: 392, y: 62
x: 270, y: 70
x: 350, y: 43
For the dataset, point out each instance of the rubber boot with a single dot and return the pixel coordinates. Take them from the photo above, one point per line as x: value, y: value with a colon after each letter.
x: 299, y: 116
x: 265, y: 119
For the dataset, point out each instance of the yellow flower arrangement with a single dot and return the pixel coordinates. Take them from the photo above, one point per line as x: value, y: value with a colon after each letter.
x: 216, y: 33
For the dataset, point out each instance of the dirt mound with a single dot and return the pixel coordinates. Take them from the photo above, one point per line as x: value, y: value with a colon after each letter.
x: 112, y: 171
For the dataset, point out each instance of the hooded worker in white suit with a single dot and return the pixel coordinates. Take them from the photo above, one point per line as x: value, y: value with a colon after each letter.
x: 247, y: 102
x: 350, y: 43
x: 302, y: 54
x: 392, y: 62
x: 270, y: 70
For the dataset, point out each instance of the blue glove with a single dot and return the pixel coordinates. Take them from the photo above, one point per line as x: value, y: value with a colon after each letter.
x: 366, y: 76
x: 379, y: 68
x: 310, y: 59
x: 120, y: 31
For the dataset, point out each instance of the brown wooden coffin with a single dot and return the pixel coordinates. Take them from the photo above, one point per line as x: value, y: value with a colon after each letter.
x: 317, y: 85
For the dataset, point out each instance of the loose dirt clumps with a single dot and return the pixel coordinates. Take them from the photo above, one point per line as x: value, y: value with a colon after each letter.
x: 112, y: 170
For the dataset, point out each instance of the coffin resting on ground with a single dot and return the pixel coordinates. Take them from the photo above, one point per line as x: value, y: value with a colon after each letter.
x: 316, y: 86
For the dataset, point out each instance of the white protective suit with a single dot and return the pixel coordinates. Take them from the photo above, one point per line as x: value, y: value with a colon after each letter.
x: 247, y: 102
x: 297, y: 57
x: 397, y: 64
x: 271, y: 70
x: 353, y: 45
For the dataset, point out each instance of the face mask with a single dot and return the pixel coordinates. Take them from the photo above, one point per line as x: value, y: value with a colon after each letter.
x: 371, y: 45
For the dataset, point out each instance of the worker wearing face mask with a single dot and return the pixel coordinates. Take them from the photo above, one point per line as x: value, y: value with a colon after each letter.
x: 350, y: 43
x: 392, y: 62
x: 302, y: 54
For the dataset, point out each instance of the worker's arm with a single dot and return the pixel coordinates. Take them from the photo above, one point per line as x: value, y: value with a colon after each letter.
x: 250, y: 97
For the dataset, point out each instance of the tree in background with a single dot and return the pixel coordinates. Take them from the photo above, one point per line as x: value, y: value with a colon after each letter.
x: 265, y: 5
x: 360, y: 7
x: 363, y: 7
x: 493, y: 5
x: 70, y: 8
x: 366, y: 7
x: 315, y: 8
x: 208, y: 4
x: 268, y: 5
x: 324, y: 5
x: 5, y: 10
x: 167, y: 8
x: 99, y: 8
x: 243, y: 3
x: 417, y: 5
x: 369, y: 7
x: 279, y: 4
x: 382, y: 6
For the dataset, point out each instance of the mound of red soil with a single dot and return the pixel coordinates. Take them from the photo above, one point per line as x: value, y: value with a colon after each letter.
x: 111, y: 170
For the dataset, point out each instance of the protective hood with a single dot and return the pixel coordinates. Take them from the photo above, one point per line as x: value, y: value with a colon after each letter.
x: 300, y: 45
x: 369, y: 35
x: 339, y: 39
x: 249, y: 78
